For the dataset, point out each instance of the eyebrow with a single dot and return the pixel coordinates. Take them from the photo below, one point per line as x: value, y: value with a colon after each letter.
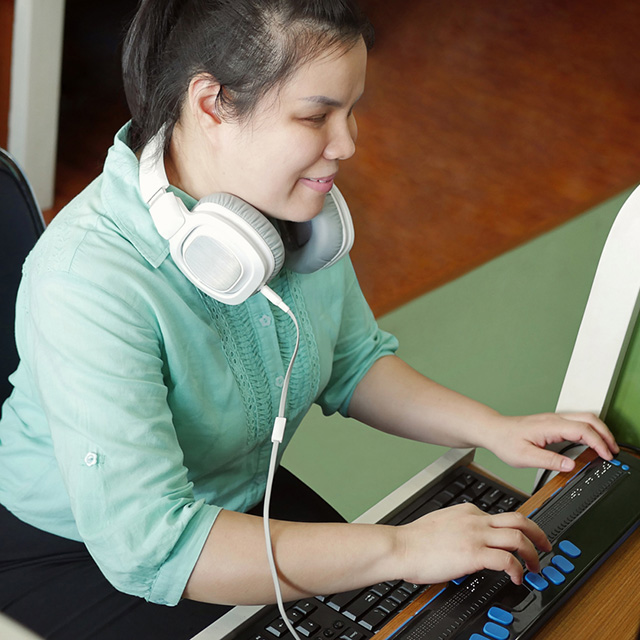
x: 330, y: 102
x: 325, y: 100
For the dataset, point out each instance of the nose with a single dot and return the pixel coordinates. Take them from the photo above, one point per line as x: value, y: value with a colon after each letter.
x: 342, y: 143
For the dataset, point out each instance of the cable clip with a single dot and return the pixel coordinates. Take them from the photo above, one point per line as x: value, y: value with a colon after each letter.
x: 278, y: 429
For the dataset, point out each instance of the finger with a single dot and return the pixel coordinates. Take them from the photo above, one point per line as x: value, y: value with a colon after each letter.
x: 516, y: 542
x: 501, y: 560
x: 517, y: 520
x: 598, y: 425
x: 574, y: 430
x: 547, y: 459
x: 584, y: 433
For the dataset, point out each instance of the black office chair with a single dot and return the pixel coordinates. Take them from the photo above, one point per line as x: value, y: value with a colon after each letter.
x: 21, y: 224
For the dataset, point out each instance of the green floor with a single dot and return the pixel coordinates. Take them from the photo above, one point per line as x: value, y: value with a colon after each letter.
x: 502, y: 334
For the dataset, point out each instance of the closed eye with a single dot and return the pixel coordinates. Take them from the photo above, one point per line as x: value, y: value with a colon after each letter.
x: 317, y: 119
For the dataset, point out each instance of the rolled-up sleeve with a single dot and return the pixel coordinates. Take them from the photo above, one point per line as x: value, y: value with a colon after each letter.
x: 97, y: 363
x: 359, y: 343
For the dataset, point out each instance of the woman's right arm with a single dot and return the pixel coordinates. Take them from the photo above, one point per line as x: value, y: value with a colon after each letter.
x: 329, y: 558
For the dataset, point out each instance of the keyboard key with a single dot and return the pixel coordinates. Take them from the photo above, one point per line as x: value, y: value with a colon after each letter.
x: 460, y: 500
x: 536, y: 581
x: 381, y: 589
x: 352, y: 634
x: 340, y: 600
x: 428, y: 507
x: 295, y: 616
x: 499, y: 615
x: 306, y: 607
x: 278, y: 628
x: 308, y: 628
x: 389, y: 605
x: 375, y: 619
x: 444, y: 497
x: 410, y: 587
x: 400, y: 595
x: 566, y: 566
x: 492, y: 496
x: 569, y: 549
x: 458, y: 486
x: 356, y: 609
x: 495, y: 631
x: 553, y: 575
x: 466, y: 478
x: 508, y: 503
x: 478, y: 489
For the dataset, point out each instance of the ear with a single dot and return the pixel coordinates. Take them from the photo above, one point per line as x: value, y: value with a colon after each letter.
x: 202, y: 100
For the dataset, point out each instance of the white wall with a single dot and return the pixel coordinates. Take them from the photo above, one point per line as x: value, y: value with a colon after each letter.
x: 35, y: 91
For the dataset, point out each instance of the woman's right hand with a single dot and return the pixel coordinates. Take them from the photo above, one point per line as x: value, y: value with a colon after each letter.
x: 460, y: 540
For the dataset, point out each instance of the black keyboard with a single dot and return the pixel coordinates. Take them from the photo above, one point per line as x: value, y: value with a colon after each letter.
x: 358, y: 614
x: 585, y: 521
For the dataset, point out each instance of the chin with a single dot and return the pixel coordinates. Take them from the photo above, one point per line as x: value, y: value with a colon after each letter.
x: 302, y: 213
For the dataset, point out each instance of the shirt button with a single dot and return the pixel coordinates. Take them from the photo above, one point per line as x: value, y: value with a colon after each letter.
x: 279, y: 381
x: 265, y: 320
x: 91, y: 459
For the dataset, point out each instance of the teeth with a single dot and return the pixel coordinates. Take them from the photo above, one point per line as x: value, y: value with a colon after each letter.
x: 318, y: 180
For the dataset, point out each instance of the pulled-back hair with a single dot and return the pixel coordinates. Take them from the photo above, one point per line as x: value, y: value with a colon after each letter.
x: 248, y: 46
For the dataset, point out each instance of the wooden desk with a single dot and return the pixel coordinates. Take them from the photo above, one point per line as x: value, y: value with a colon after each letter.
x: 606, y: 606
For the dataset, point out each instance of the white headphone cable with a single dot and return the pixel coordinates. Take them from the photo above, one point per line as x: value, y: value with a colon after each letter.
x: 276, y: 438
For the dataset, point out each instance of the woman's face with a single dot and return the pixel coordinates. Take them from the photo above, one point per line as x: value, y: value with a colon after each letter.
x: 283, y: 160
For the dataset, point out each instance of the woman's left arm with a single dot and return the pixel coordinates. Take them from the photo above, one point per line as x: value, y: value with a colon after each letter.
x: 395, y: 398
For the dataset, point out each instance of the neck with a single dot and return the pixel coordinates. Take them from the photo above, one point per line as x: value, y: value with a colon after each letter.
x: 186, y: 160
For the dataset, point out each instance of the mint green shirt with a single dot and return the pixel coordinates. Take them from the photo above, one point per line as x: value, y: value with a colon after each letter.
x: 142, y: 407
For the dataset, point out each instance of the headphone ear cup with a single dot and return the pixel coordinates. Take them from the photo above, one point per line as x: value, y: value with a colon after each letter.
x: 228, y: 249
x: 323, y: 240
x: 264, y: 233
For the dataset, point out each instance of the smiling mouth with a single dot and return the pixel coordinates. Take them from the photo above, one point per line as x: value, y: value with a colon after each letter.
x: 321, y: 180
x: 321, y: 185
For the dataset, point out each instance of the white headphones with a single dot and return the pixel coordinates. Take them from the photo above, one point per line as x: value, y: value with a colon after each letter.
x: 226, y: 247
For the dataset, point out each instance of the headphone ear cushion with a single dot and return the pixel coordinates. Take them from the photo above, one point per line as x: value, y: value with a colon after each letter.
x: 323, y: 240
x: 259, y: 224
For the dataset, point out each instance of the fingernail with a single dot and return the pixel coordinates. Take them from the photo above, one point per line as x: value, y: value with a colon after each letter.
x: 566, y: 465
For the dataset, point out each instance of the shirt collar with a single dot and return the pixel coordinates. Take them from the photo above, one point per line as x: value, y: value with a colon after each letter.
x: 123, y: 201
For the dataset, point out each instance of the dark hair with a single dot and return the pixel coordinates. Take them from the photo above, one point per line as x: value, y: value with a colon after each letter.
x: 248, y: 46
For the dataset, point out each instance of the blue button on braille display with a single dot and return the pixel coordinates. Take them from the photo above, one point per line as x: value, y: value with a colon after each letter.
x: 625, y: 467
x: 477, y: 636
x: 500, y: 616
x: 563, y: 564
x: 495, y: 631
x: 459, y: 580
x: 617, y: 463
x: 536, y: 581
x: 553, y: 575
x: 569, y: 549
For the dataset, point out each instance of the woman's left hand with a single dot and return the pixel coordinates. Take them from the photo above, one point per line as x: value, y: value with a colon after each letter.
x: 521, y: 441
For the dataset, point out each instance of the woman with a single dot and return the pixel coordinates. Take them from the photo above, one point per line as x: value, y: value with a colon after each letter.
x: 138, y: 430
